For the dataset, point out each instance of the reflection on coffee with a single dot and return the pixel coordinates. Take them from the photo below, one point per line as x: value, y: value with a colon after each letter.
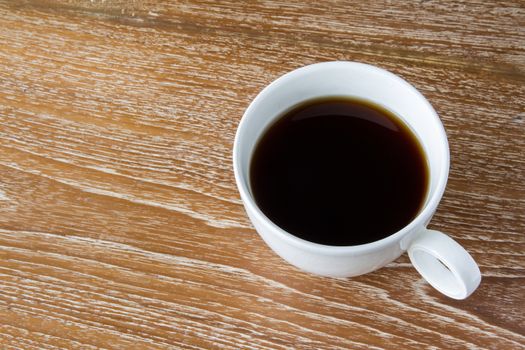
x: 339, y: 171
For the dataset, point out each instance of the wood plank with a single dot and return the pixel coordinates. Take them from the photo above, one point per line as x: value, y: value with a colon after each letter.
x: 120, y: 223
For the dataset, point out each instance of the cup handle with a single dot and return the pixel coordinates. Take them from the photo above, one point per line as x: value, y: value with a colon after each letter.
x: 445, y: 264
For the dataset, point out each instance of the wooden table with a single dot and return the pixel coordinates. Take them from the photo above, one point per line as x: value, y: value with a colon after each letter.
x: 120, y: 223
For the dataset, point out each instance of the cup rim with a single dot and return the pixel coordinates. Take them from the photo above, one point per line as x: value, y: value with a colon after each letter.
x: 248, y: 200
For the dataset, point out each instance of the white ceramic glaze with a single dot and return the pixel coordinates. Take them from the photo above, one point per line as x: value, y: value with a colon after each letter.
x: 461, y: 275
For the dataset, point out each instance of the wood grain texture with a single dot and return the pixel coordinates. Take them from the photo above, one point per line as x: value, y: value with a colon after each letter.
x: 120, y: 223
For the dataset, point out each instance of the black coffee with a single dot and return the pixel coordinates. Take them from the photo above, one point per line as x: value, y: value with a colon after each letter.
x: 339, y: 171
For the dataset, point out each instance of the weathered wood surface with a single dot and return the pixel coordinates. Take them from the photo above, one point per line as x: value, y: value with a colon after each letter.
x: 120, y: 223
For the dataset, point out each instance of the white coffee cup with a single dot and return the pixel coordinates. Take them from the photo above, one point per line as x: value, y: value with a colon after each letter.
x: 438, y: 258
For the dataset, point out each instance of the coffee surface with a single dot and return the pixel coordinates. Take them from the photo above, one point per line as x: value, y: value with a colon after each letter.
x: 339, y: 171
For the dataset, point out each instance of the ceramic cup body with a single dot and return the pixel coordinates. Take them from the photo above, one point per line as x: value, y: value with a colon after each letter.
x: 381, y: 87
